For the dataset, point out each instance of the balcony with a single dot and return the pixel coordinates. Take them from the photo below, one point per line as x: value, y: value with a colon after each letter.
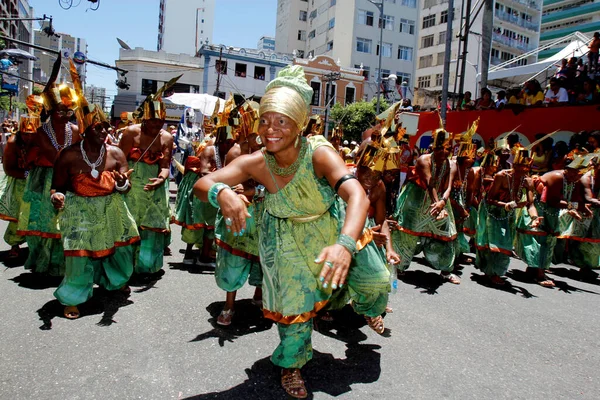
x: 518, y: 21
x: 529, y: 3
x: 513, y: 43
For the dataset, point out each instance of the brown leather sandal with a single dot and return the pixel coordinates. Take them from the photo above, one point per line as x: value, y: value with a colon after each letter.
x: 292, y: 383
x: 376, y: 323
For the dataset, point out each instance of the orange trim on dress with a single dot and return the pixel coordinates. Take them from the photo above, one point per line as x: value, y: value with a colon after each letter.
x: 427, y: 234
x: 100, y: 253
x: 8, y: 218
x: 536, y: 233
x: 468, y: 231
x: 193, y: 227
x: 44, y: 235
x: 157, y: 230
x: 579, y: 239
x: 495, y: 250
x: 294, y: 319
x: 236, y: 252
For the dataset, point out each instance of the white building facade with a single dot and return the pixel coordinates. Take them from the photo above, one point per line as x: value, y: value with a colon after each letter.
x: 240, y: 71
x: 266, y: 43
x: 148, y: 71
x: 515, y: 32
x: 184, y: 25
x: 349, y: 32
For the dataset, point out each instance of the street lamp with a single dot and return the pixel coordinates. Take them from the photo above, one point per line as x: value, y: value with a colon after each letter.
x: 476, y: 68
x: 379, y: 6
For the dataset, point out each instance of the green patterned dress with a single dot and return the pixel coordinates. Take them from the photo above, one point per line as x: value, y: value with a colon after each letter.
x: 458, y: 193
x: 299, y: 221
x: 414, y: 223
x: 11, y: 198
x: 585, y: 253
x: 237, y: 256
x: 536, y: 246
x: 196, y: 218
x: 150, y: 209
x: 38, y: 222
x: 97, y: 233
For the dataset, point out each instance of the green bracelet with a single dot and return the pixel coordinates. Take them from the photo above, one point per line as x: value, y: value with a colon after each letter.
x: 347, y: 242
x: 214, y: 191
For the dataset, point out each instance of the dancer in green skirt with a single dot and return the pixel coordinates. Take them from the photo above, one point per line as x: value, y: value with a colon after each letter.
x: 511, y: 194
x: 38, y: 219
x: 585, y: 252
x: 424, y: 212
x: 97, y: 229
x: 196, y: 218
x: 148, y: 148
x: 12, y: 184
x: 303, y: 253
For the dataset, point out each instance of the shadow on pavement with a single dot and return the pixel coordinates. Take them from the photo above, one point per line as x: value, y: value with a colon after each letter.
x: 248, y: 319
x: 508, y: 287
x: 35, y: 281
x: 192, y: 268
x: 145, y: 282
x: 346, y: 323
x: 576, y: 275
x: 429, y: 281
x: 14, y: 262
x: 323, y: 373
x: 103, y: 302
x: 524, y: 277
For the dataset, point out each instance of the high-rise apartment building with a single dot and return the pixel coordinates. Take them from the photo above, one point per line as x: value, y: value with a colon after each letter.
x: 68, y: 45
x: 9, y: 8
x: 185, y: 25
x: 515, y: 32
x: 563, y: 17
x: 348, y: 31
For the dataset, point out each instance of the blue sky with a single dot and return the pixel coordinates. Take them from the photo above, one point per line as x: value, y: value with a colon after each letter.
x: 237, y: 23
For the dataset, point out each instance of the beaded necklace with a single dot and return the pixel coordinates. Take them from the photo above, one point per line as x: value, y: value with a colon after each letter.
x: 47, y: 126
x: 437, y: 179
x: 568, y: 187
x: 289, y: 170
x: 218, y: 158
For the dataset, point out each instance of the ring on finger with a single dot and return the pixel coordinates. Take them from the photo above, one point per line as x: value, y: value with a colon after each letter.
x: 228, y: 221
x: 329, y: 264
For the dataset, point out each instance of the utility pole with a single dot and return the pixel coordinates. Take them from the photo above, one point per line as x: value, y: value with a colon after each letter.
x: 463, y: 57
x: 381, y: 22
x: 219, y: 72
x: 329, y: 78
x: 447, y: 55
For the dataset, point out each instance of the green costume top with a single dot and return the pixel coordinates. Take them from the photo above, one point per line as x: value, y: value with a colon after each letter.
x: 37, y: 216
x: 150, y: 209
x: 296, y: 226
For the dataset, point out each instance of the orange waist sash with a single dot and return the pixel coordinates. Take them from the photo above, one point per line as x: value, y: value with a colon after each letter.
x: 86, y: 186
x: 149, y: 158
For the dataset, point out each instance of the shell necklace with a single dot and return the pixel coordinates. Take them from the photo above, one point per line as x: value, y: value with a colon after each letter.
x: 47, y: 126
x: 93, y: 166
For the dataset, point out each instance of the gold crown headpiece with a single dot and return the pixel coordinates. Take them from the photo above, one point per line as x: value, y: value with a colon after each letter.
x: 467, y: 147
x: 153, y: 106
x: 29, y: 123
x: 441, y: 138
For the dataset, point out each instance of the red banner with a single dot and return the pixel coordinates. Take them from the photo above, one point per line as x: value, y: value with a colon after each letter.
x: 530, y: 121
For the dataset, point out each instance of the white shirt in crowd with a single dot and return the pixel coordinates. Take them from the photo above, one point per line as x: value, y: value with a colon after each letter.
x: 562, y: 96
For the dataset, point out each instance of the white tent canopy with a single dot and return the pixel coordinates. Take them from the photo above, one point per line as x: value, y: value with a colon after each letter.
x: 501, y: 76
x: 202, y: 102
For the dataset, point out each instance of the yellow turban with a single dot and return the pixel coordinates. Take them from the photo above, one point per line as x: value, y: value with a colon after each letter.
x: 285, y: 100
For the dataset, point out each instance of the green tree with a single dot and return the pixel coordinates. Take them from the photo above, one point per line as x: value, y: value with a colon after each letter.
x: 355, y: 118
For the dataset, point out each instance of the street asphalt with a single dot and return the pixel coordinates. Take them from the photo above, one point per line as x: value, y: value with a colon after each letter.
x: 443, y: 341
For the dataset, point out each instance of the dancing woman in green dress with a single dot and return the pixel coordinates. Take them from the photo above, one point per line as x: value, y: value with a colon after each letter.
x: 304, y: 255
